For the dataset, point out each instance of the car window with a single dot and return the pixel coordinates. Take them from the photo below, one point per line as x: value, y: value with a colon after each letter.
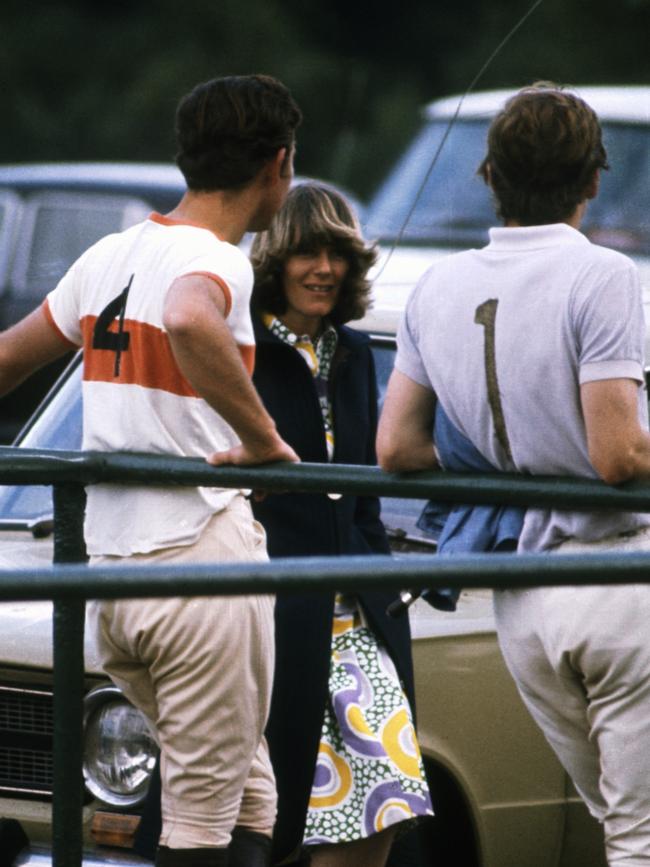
x: 398, y: 514
x: 619, y: 216
x: 10, y: 213
x: 58, y: 227
x: 383, y: 351
x: 56, y: 425
x: 454, y: 207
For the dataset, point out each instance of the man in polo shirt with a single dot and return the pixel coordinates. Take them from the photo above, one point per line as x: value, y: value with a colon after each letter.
x: 533, y: 348
x: 162, y: 313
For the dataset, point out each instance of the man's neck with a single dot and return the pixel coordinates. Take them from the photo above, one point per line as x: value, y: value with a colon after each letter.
x: 574, y: 220
x: 226, y: 213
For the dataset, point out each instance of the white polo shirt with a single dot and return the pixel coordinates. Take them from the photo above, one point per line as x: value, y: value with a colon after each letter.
x: 505, y: 336
x: 135, y: 397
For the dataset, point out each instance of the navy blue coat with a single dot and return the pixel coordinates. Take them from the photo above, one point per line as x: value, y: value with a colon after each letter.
x: 311, y: 525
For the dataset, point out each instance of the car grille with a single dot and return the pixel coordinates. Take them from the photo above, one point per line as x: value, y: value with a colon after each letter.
x: 26, y: 730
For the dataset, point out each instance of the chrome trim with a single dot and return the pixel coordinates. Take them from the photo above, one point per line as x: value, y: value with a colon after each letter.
x: 93, y: 700
x: 38, y: 857
x: 24, y: 691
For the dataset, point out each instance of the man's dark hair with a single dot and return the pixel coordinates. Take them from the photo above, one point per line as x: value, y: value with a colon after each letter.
x: 544, y: 149
x: 227, y: 128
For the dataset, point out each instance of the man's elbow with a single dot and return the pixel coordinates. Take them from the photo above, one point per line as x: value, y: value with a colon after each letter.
x: 10, y: 374
x: 615, y: 469
x: 398, y: 456
x: 178, y: 323
x: 389, y: 461
x: 389, y: 453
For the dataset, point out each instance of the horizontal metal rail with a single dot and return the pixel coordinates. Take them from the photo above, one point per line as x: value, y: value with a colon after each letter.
x: 70, y: 583
x: 46, y: 467
x: 313, y: 574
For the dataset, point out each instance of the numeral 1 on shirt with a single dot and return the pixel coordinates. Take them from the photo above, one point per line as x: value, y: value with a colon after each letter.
x: 115, y: 341
x: 485, y: 315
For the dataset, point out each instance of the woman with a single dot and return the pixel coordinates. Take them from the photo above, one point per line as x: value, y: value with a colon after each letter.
x: 340, y: 733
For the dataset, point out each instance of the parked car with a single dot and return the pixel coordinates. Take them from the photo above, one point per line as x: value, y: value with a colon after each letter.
x: 422, y: 211
x: 501, y: 797
x: 49, y: 214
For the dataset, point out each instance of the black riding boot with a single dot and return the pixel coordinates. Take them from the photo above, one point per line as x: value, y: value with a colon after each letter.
x: 191, y: 857
x: 249, y: 849
x: 12, y: 841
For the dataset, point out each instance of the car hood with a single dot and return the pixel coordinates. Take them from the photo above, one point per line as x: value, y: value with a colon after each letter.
x: 393, y: 278
x: 26, y: 627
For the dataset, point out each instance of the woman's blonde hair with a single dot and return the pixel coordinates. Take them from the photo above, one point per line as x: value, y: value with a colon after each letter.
x: 314, y: 215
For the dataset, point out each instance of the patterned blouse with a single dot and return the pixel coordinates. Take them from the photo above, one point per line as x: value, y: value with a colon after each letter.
x: 318, y: 357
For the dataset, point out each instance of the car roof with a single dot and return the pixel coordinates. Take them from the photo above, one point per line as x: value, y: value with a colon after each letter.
x: 161, y: 182
x: 110, y: 176
x: 622, y: 103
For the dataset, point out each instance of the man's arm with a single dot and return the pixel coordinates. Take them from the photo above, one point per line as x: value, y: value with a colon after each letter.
x: 405, y: 433
x: 28, y: 346
x: 619, y: 448
x: 210, y: 360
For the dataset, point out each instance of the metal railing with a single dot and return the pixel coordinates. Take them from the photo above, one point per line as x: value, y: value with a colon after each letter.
x: 69, y: 582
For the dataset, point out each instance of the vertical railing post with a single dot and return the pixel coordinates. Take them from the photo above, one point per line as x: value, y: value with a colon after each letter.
x: 68, y: 641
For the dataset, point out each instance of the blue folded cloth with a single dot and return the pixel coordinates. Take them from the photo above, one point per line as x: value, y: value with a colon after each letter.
x: 460, y: 529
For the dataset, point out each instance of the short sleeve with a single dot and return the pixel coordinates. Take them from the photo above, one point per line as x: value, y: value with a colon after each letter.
x: 408, y: 359
x: 62, y: 306
x: 610, y: 325
x: 230, y: 268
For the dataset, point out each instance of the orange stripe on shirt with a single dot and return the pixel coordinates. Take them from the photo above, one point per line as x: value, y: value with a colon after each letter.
x: 148, y: 361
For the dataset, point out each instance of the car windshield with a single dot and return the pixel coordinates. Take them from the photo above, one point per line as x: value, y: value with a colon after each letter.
x: 57, y: 425
x: 454, y: 207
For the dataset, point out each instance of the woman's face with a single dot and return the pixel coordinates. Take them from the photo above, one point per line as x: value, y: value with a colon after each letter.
x: 312, y: 282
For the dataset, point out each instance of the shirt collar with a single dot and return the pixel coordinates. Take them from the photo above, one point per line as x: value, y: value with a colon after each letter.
x: 534, y: 237
x: 329, y: 335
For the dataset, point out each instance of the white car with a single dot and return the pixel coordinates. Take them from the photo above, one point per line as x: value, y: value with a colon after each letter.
x: 422, y: 211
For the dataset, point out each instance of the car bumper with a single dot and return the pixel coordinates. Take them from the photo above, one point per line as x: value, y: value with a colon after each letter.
x: 40, y: 857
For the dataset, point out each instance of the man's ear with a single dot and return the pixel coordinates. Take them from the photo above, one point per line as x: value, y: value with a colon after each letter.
x: 276, y: 166
x: 591, y: 190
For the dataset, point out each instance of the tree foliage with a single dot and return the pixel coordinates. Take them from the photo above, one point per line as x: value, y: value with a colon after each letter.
x: 99, y: 79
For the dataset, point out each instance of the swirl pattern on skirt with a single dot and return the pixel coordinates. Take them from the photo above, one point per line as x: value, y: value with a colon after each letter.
x: 369, y: 772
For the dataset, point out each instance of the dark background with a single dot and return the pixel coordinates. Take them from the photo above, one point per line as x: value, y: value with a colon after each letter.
x: 100, y: 79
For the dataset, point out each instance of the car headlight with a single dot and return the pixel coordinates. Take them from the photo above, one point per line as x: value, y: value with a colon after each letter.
x: 119, y: 749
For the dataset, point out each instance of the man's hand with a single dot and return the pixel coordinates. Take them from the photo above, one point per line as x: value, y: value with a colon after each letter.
x: 242, y: 455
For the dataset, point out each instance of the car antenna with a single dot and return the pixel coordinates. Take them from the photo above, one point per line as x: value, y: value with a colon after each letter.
x: 449, y: 128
